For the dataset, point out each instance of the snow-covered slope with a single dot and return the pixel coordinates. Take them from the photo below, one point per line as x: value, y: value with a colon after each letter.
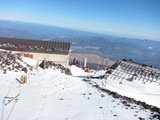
x: 52, y: 95
x: 133, y: 80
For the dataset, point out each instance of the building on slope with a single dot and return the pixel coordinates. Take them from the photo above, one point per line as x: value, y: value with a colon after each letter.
x: 58, y: 52
x: 129, y: 70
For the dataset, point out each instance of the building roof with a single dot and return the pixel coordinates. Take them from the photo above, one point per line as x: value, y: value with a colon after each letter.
x: 129, y: 70
x: 40, y: 46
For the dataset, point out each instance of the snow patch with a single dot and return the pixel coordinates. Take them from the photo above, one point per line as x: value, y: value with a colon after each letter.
x: 76, y: 71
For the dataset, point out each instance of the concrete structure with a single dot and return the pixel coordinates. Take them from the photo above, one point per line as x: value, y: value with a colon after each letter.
x: 57, y: 52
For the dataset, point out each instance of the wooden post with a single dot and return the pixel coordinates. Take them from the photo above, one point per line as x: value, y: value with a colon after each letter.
x: 22, y: 79
x: 25, y: 79
x: 44, y: 66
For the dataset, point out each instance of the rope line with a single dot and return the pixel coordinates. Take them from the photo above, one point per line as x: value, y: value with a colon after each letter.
x: 12, y: 109
x: 10, y: 99
x: 3, y: 108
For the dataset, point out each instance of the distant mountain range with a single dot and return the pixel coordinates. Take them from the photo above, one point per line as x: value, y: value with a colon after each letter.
x: 36, y: 31
x: 142, y: 51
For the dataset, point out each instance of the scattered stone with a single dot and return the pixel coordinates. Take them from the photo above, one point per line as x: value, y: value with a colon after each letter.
x: 127, y: 100
x: 113, y: 101
x: 157, y: 116
x: 140, y: 118
x: 8, y: 62
x: 102, y: 95
x: 50, y: 64
x: 5, y: 71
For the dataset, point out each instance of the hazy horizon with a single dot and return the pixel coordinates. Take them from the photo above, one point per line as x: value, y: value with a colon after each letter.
x: 133, y: 19
x: 92, y: 32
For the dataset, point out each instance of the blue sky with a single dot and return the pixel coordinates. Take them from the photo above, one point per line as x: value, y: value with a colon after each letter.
x: 129, y: 18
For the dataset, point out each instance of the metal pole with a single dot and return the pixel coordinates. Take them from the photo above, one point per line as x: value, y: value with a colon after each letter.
x: 102, y: 62
x: 85, y: 62
x: 106, y: 63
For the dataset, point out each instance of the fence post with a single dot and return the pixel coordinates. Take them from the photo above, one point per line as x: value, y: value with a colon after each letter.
x: 102, y: 62
x: 106, y: 63
x: 25, y: 79
x: 22, y: 79
x: 44, y: 66
x: 85, y: 62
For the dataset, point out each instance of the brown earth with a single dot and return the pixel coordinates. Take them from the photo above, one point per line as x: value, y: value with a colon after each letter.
x: 91, y: 58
